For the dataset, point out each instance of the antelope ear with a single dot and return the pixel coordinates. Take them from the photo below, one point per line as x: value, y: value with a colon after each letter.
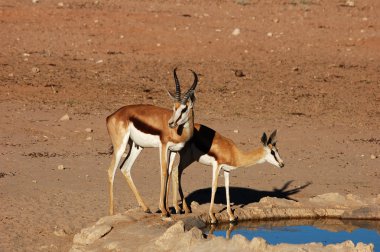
x: 171, y: 95
x: 272, y: 139
x: 264, y: 140
x: 190, y: 101
x: 192, y: 97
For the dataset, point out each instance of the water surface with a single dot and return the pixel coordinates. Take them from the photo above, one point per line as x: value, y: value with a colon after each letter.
x: 325, y: 231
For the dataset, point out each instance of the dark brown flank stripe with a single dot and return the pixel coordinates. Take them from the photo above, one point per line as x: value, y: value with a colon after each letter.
x: 148, y: 129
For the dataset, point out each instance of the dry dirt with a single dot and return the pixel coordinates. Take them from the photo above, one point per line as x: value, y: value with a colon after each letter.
x: 309, y: 68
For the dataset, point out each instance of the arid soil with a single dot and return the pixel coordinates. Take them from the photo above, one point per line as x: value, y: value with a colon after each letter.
x: 309, y: 68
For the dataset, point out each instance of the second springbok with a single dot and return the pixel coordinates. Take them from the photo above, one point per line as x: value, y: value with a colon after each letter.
x: 211, y: 148
x: 141, y: 126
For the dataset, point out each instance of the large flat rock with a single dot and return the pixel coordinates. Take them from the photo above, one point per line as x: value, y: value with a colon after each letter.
x: 135, y: 230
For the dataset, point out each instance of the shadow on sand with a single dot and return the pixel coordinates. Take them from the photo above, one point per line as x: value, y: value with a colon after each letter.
x: 243, y: 196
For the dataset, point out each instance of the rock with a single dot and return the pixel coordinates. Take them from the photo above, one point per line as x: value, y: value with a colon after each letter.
x: 259, y: 244
x: 34, y: 181
x: 99, y: 61
x: 35, y: 70
x: 269, y: 34
x: 194, y: 205
x: 89, y: 138
x: 236, y: 131
x: 35, y: 1
x: 295, y: 69
x: 91, y: 234
x: 239, y: 73
x: 60, y: 167
x: 327, y: 198
x: 171, y: 234
x: 236, y: 32
x: 350, y: 3
x: 146, y: 232
x: 66, y: 117
x: 373, y: 156
x: 60, y: 233
x: 60, y: 5
x: 242, y: 2
x: 88, y: 130
x: 114, y: 219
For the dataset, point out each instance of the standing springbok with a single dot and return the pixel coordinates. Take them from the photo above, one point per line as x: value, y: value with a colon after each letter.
x: 142, y: 126
x: 210, y: 148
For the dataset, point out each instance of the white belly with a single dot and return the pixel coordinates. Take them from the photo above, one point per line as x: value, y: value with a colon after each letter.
x: 206, y: 159
x: 143, y: 139
x: 228, y: 168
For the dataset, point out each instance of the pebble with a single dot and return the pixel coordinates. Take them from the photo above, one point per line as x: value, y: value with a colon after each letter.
x: 88, y: 130
x: 35, y: 70
x: 236, y: 32
x: 236, y: 131
x: 373, y: 156
x: 34, y: 181
x: 269, y: 34
x: 89, y: 138
x: 167, y: 219
x: 239, y: 73
x: 66, y: 117
x: 350, y: 3
x: 99, y: 61
x: 194, y: 205
x: 35, y: 1
x: 60, y: 4
x: 60, y: 233
x: 61, y: 167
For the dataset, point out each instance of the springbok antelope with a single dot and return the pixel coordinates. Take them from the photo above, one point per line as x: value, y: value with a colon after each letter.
x: 142, y: 126
x: 210, y: 148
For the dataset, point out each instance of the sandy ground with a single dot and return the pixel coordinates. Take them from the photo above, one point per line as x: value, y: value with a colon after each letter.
x: 307, y: 68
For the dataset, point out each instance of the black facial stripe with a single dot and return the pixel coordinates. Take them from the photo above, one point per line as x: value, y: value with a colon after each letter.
x: 273, y: 154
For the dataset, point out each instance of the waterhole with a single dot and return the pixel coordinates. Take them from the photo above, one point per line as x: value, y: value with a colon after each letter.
x: 325, y: 231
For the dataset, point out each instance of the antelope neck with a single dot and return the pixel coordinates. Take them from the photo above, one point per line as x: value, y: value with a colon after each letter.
x: 250, y: 158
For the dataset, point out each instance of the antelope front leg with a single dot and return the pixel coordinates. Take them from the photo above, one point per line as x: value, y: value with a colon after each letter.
x: 164, y: 179
x: 215, y: 173
x: 170, y: 168
x: 227, y: 186
x: 185, y: 207
x: 174, y: 176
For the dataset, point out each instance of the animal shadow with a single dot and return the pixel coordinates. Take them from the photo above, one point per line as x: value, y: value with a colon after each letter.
x: 243, y: 196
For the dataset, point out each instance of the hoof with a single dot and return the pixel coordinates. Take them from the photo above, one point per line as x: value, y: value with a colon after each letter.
x: 147, y: 210
x: 165, y: 215
x: 178, y: 211
x: 187, y: 211
x: 234, y: 220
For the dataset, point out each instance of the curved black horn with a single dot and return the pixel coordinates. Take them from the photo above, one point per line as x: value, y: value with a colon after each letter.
x: 177, y: 86
x: 191, y: 89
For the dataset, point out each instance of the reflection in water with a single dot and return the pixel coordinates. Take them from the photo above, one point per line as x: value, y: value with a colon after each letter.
x: 326, y: 231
